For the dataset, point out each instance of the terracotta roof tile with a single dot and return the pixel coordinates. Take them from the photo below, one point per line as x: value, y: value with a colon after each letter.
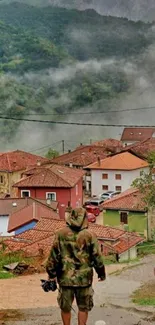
x: 82, y: 156
x: 11, y: 205
x: 42, y: 236
x: 142, y: 148
x: 130, y: 200
x: 28, y: 214
x: 100, y: 231
x: 52, y: 176
x: 120, y: 161
x: 127, y: 241
x: 18, y: 160
x: 137, y: 134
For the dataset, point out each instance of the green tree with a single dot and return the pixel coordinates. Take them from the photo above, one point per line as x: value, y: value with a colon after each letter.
x: 52, y: 154
x: 146, y: 185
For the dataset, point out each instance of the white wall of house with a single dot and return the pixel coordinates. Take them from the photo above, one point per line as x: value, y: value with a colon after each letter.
x: 127, y: 177
x: 4, y: 226
x: 132, y: 254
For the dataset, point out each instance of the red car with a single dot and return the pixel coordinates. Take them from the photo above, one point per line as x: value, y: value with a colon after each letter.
x: 91, y: 217
x: 92, y: 209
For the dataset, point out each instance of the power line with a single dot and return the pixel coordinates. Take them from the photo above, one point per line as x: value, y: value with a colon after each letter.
x: 87, y: 113
x: 50, y: 145
x: 76, y: 123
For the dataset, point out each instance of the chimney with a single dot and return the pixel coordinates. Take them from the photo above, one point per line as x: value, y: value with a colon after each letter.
x: 99, y: 160
x: 70, y: 165
x: 34, y: 210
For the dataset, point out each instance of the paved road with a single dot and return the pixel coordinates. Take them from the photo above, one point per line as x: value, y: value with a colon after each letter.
x: 51, y: 316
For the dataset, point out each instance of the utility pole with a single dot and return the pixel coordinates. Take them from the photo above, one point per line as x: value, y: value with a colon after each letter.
x: 63, y: 146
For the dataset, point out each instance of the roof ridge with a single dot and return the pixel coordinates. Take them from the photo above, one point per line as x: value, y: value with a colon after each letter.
x: 61, y: 177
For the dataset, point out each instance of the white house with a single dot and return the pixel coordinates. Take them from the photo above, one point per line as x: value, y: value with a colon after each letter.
x: 137, y: 134
x: 115, y: 173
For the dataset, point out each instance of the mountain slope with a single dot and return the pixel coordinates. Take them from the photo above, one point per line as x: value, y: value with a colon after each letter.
x: 132, y: 9
x: 85, y: 35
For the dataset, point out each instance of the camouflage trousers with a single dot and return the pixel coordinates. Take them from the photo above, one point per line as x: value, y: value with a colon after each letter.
x: 83, y: 296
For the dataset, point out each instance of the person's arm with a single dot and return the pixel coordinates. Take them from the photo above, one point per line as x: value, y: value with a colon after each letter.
x: 97, y: 259
x: 53, y: 259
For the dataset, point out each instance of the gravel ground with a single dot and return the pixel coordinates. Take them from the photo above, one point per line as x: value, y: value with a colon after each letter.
x: 51, y: 316
x: 141, y: 273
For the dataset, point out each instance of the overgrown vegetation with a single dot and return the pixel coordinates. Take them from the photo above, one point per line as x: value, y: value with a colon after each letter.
x: 54, y: 60
x: 145, y: 296
x: 12, y: 257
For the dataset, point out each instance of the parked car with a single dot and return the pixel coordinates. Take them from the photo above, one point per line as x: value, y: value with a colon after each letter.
x: 91, y: 217
x: 108, y: 195
x: 93, y: 209
x: 97, y: 202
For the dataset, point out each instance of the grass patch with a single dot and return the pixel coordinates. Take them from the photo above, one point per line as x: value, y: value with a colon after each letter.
x: 146, y: 248
x: 6, y: 259
x: 145, y: 296
x: 6, y: 275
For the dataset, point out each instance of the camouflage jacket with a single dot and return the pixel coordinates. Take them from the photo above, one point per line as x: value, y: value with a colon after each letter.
x: 75, y: 253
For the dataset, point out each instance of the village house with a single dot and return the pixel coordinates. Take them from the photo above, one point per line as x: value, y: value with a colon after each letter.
x: 18, y: 208
x: 142, y: 149
x: 27, y: 217
x: 53, y: 183
x: 128, y: 210
x: 85, y: 155
x: 38, y: 241
x: 115, y: 173
x: 12, y: 165
x: 133, y: 135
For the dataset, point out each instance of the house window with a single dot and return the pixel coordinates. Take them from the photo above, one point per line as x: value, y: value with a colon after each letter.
x: 25, y: 193
x: 118, y: 176
x: 124, y: 217
x: 51, y: 196
x: 76, y: 189
x: 118, y: 188
x: 104, y: 176
x: 1, y: 179
x: 105, y: 187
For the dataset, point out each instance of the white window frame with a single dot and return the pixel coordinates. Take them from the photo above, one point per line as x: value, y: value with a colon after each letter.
x: 22, y: 191
x: 77, y: 189
x: 53, y: 193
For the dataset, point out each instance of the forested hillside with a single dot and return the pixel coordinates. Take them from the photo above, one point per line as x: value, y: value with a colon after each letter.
x: 54, y: 60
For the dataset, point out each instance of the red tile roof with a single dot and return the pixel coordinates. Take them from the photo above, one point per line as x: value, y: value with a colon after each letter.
x: 137, y: 134
x: 30, y: 213
x: 120, y: 161
x: 100, y: 231
x: 52, y: 176
x: 109, y: 144
x: 42, y: 236
x: 84, y: 155
x: 9, y: 206
x: 127, y: 241
x: 143, y: 148
x: 18, y: 160
x: 130, y: 200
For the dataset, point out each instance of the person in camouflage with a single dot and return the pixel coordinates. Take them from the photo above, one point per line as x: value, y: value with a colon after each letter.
x: 74, y: 254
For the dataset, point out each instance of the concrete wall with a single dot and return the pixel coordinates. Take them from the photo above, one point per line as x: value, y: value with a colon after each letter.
x: 127, y: 177
x: 137, y: 221
x: 132, y: 254
x: 4, y: 220
x: 63, y: 196
x: 9, y: 179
